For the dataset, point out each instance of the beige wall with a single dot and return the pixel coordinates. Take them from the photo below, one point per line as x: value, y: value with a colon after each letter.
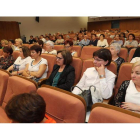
x: 51, y: 25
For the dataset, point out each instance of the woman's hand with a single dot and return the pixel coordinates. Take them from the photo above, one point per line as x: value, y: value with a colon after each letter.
x: 14, y: 73
x: 101, y: 70
x: 130, y: 106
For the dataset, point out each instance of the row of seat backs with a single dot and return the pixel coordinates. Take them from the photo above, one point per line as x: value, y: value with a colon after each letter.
x: 104, y: 113
x: 62, y: 105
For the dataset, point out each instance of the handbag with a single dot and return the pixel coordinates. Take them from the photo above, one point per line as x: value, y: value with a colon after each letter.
x: 86, y: 95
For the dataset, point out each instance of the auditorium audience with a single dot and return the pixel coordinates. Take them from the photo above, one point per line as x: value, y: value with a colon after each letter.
x: 21, y: 62
x: 102, y: 42
x: 117, y: 40
x: 6, y: 60
x: 47, y: 38
x: 128, y: 96
x: 63, y: 74
x: 136, y: 56
x: 122, y: 36
x: 4, y: 43
x: 41, y: 44
x: 38, y: 67
x: 84, y: 42
x: 69, y: 46
x: 93, y: 40
x: 27, y: 108
x: 98, y: 76
x: 53, y: 39
x: 11, y: 44
x: 60, y: 40
x: 48, y: 46
x: 42, y: 38
x: 18, y: 43
x: 31, y: 40
x: 75, y: 41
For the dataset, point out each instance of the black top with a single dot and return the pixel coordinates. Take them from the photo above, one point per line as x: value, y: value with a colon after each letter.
x: 93, y: 42
x: 120, y: 97
x: 66, y: 80
x: 31, y: 41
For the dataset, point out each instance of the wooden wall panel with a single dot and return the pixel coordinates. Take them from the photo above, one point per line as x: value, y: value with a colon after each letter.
x: 126, y: 24
x: 9, y: 30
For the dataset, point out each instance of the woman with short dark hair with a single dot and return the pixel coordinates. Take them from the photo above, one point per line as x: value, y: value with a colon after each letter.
x: 63, y: 74
x: 98, y: 76
x: 102, y: 42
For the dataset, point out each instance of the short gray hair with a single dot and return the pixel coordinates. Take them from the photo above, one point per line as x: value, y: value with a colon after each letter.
x: 50, y: 43
x: 116, y: 46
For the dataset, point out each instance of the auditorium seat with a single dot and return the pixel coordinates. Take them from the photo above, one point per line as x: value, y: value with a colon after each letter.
x: 103, y: 113
x: 1, y: 52
x: 27, y: 45
x: 124, y: 54
x: 131, y: 53
x: 4, y: 76
x: 87, y: 52
x: 16, y: 85
x: 63, y: 106
x: 58, y: 47
x: 78, y: 50
x: 15, y: 54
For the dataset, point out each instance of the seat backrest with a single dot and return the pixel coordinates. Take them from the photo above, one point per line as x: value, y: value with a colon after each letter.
x: 17, y: 85
x: 15, y: 54
x: 104, y: 113
x: 4, y: 76
x: 124, y: 74
x: 89, y: 63
x: 87, y: 52
x: 131, y: 53
x: 63, y: 106
x: 51, y: 59
x: 124, y: 53
x: 58, y: 47
x: 1, y: 52
x: 77, y: 64
x: 78, y: 50
x: 27, y: 45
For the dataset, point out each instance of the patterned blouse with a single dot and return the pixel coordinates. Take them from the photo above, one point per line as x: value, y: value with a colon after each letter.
x: 5, y: 63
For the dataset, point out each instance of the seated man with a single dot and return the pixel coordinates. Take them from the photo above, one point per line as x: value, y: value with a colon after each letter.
x: 27, y: 108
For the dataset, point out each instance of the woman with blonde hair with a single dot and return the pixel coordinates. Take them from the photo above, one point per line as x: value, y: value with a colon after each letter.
x: 4, y: 43
x: 18, y: 44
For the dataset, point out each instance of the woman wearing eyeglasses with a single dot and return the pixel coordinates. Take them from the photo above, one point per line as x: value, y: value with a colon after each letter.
x: 63, y: 74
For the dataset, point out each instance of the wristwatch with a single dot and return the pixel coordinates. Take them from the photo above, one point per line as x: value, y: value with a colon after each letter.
x: 102, y: 76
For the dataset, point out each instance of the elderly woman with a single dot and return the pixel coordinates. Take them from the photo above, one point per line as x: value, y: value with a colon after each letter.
x: 94, y: 40
x: 63, y: 74
x: 115, y: 49
x: 117, y: 40
x: 18, y: 44
x: 98, y: 76
x: 131, y: 42
x: 49, y: 45
x: 4, y: 43
x: 6, y: 60
x: 21, y: 62
x: 84, y: 42
x: 38, y: 67
x: 128, y: 96
x: 136, y: 56
x: 60, y: 40
x: 102, y: 42
x: 69, y: 46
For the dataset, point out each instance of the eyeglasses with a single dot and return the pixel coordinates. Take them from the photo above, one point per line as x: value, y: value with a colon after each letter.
x: 58, y: 58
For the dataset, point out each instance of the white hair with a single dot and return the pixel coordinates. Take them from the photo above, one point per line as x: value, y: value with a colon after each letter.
x: 116, y: 46
x: 50, y: 43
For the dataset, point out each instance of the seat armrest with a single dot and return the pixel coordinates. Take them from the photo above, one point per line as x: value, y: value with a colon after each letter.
x: 42, y: 81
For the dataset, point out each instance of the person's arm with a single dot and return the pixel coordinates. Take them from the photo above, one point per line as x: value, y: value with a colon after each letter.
x: 135, y: 44
x: 40, y: 72
x: 10, y: 68
x: 25, y: 71
x: 106, y: 43
x: 15, y: 72
x: 130, y: 106
x: 98, y: 43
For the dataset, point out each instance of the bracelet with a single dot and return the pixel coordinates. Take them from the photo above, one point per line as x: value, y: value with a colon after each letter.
x: 102, y: 76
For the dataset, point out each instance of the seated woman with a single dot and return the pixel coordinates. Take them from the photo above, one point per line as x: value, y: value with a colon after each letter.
x: 60, y: 40
x: 53, y: 39
x: 115, y: 49
x: 38, y: 67
x: 84, y: 42
x: 21, y: 62
x: 98, y: 76
x: 94, y: 40
x: 131, y: 42
x: 18, y: 44
x: 69, y: 46
x: 102, y: 42
x: 48, y: 46
x: 63, y: 74
x: 136, y: 56
x: 128, y: 96
x: 6, y: 60
x: 11, y: 44
x: 41, y: 44
x: 4, y: 43
x: 27, y: 108
x: 117, y: 40
x: 75, y: 41
x: 122, y: 36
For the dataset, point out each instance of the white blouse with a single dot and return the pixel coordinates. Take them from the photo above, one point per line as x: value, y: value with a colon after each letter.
x: 52, y: 52
x: 91, y: 77
x: 135, y: 59
x: 102, y: 43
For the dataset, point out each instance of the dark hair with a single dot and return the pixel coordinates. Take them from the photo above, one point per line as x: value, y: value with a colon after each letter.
x: 123, y: 34
x: 40, y: 42
x: 61, y: 36
x: 37, y: 48
x: 11, y: 40
x: 127, y: 31
x: 26, y: 51
x: 132, y: 35
x: 94, y: 35
x: 67, y: 56
x: 104, y: 54
x: 118, y: 35
x: 31, y: 35
x: 137, y: 53
x: 26, y: 108
x: 102, y: 35
x: 7, y: 49
x: 47, y: 37
x: 70, y: 42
